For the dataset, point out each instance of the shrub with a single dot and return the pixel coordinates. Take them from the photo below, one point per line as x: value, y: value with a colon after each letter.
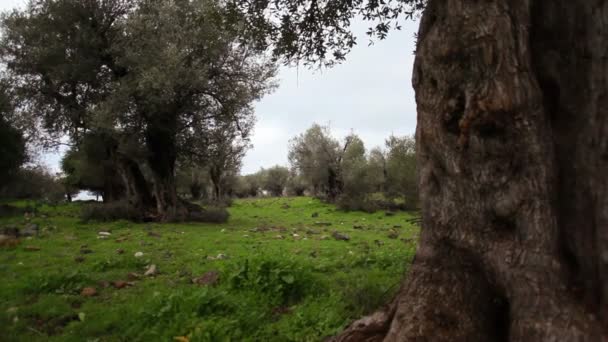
x: 114, y: 211
x: 34, y: 183
x: 9, y: 210
x: 347, y: 203
x: 210, y: 215
x: 283, y: 281
x: 59, y: 283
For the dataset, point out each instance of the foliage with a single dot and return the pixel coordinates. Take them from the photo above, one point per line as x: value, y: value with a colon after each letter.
x: 349, y: 175
x: 192, y: 181
x: 34, y: 182
x: 401, y: 178
x: 227, y: 144
x: 108, y: 212
x: 296, y: 186
x: 283, y: 281
x: 88, y: 166
x: 315, y: 156
x: 275, y: 179
x: 248, y: 185
x: 318, y: 32
x: 356, y: 181
x: 211, y: 215
x: 110, y: 81
x: 12, y: 142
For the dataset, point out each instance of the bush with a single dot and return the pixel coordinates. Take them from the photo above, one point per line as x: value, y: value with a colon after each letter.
x: 347, y: 203
x: 113, y: 211
x: 210, y: 215
x: 284, y: 282
x: 34, y: 183
x: 9, y: 210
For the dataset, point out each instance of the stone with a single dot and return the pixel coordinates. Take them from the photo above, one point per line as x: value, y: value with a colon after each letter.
x: 133, y: 276
x: 151, y: 271
x: 340, y: 237
x: 154, y: 234
x: 119, y: 284
x: 88, y: 292
x: 138, y: 254
x: 221, y: 256
x: 104, y: 233
x: 210, y: 278
x: 120, y: 251
x: 31, y: 229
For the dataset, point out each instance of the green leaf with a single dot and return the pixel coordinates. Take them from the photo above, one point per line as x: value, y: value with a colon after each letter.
x: 289, y: 279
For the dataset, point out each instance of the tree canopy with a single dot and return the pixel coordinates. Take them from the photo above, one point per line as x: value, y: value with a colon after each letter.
x: 12, y: 142
x: 318, y: 32
x: 159, y: 78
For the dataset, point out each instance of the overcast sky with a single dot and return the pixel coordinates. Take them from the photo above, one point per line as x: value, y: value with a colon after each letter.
x: 370, y: 94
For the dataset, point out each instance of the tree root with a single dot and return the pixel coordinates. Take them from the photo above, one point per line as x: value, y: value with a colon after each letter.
x: 372, y: 328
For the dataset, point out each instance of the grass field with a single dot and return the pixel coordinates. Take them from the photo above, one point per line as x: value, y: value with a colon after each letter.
x: 281, y: 275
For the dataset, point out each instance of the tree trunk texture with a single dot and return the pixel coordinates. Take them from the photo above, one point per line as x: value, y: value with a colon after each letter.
x: 162, y: 154
x: 136, y: 188
x: 113, y: 188
x: 512, y: 144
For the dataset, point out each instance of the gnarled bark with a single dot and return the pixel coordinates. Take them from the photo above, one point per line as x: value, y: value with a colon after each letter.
x: 512, y: 145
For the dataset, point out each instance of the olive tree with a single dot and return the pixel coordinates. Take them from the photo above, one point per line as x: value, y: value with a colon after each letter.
x: 511, y: 157
x: 155, y: 74
x: 315, y: 155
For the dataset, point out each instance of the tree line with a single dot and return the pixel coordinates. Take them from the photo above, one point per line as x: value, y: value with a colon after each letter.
x: 320, y: 165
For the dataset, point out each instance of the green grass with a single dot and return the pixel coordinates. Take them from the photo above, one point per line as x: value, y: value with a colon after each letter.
x: 285, y: 277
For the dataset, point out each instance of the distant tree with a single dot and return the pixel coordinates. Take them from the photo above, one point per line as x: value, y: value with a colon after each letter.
x: 248, y: 185
x: 227, y: 143
x: 354, y: 170
x: 91, y: 166
x: 296, y: 185
x: 193, y: 180
x: 377, y: 169
x: 401, y: 178
x: 275, y: 179
x: 35, y: 182
x: 315, y: 155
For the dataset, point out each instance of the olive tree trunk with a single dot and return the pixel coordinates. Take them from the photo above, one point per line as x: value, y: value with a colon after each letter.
x: 512, y: 144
